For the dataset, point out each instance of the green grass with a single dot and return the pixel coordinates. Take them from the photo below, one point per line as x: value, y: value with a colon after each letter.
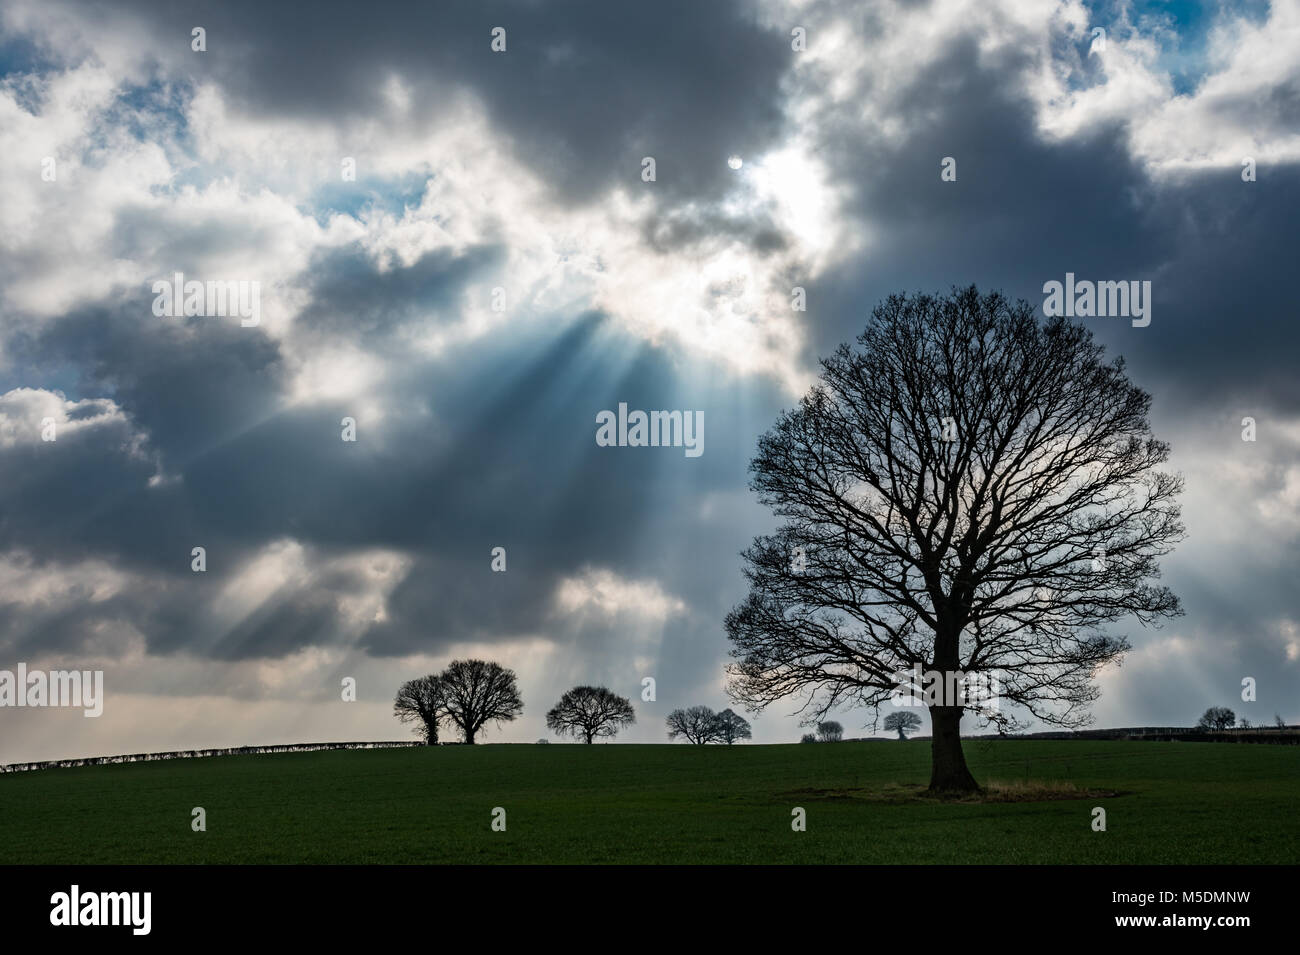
x: 1177, y: 803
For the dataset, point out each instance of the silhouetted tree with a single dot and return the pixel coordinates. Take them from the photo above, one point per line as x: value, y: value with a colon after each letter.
x: 902, y: 721
x: 969, y: 491
x: 479, y: 692
x: 590, y: 711
x: 830, y: 732
x: 1217, y: 718
x: 422, y: 701
x: 732, y: 726
x: 808, y: 738
x: 698, y: 724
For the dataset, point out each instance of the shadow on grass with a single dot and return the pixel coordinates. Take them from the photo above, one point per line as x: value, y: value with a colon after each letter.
x: 993, y: 791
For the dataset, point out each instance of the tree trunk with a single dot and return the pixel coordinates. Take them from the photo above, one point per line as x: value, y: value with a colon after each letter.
x: 900, y: 734
x: 469, y: 736
x: 947, y: 762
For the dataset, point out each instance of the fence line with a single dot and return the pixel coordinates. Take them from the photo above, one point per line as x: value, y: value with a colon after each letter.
x: 1187, y: 734
x: 198, y: 753
x: 1255, y: 734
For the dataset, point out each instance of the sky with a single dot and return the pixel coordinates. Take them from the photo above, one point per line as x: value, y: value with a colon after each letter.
x: 497, y: 271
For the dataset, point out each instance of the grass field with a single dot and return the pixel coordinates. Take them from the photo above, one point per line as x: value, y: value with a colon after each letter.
x: 1176, y: 803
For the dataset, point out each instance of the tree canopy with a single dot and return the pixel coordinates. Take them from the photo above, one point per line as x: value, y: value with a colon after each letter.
x: 479, y: 692
x: 969, y: 491
x: 422, y: 701
x: 590, y: 711
x: 696, y: 724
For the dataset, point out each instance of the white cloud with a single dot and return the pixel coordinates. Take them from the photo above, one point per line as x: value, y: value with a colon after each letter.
x: 25, y: 414
x: 604, y: 593
x: 31, y: 584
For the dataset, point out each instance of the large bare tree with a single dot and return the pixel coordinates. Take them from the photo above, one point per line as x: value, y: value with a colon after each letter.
x: 590, y: 711
x: 968, y: 491
x: 422, y: 701
x: 479, y: 692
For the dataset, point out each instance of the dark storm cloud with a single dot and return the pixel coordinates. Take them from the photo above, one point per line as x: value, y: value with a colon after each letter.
x: 351, y: 299
x: 521, y: 469
x: 64, y: 499
x: 1021, y: 211
x: 584, y: 90
x: 284, y: 624
x: 1231, y: 318
x: 189, y: 383
x: 689, y: 226
x: 511, y: 460
x: 492, y: 444
x: 1024, y: 211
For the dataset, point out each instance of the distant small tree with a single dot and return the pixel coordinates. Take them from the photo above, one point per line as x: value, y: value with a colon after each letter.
x: 1217, y: 718
x: 807, y: 738
x: 732, y: 726
x: 698, y: 724
x: 830, y: 732
x: 1281, y: 723
x: 902, y: 721
x: 422, y: 701
x: 590, y: 711
x: 480, y: 692
x: 543, y: 741
x: 1244, y: 724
